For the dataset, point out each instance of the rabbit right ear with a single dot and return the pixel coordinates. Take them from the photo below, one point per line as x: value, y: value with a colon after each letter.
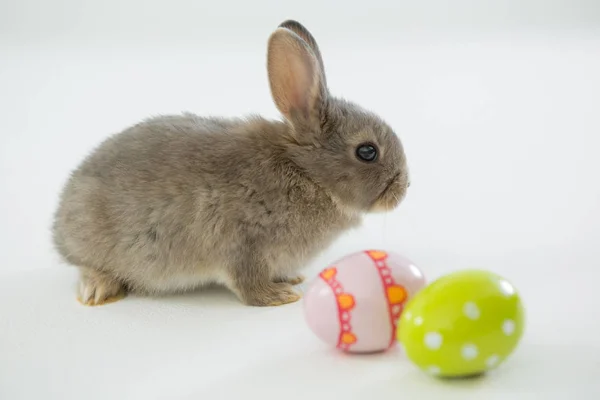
x: 296, y: 79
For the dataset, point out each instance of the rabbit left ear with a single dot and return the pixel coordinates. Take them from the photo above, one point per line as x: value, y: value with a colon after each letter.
x: 304, y: 33
x: 296, y: 79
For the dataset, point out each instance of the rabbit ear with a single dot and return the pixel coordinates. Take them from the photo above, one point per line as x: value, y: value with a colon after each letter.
x: 295, y: 78
x: 301, y: 31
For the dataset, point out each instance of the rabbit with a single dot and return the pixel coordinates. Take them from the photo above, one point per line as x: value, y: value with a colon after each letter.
x: 173, y: 203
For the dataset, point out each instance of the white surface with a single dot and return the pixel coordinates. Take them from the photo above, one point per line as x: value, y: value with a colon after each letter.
x: 499, y: 111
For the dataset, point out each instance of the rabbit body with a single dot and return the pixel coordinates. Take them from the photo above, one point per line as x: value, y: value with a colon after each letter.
x: 176, y: 202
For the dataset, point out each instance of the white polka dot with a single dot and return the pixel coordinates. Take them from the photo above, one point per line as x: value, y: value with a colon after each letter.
x: 471, y: 310
x: 508, y: 327
x: 408, y: 315
x: 418, y: 321
x: 469, y: 351
x: 433, y: 340
x: 434, y: 370
x: 492, y: 360
x: 507, y: 288
x: 396, y: 309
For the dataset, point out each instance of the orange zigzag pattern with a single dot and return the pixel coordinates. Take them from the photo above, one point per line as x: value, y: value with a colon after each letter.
x: 345, y: 303
x: 395, y: 294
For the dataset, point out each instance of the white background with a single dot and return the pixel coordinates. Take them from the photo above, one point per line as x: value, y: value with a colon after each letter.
x: 498, y: 106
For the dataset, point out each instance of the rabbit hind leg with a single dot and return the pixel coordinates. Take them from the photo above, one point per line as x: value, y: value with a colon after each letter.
x: 97, y: 288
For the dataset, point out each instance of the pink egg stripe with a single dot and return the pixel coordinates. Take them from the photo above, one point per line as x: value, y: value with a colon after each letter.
x: 345, y: 326
x: 385, y: 273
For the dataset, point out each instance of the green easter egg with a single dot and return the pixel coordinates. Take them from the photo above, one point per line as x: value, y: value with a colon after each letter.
x: 462, y: 324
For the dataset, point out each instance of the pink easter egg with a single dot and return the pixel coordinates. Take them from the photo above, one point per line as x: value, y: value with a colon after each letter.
x: 356, y: 303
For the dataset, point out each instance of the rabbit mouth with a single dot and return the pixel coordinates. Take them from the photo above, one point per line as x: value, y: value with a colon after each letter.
x: 391, y: 196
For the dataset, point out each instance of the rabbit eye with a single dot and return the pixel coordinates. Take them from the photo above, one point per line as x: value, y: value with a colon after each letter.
x: 366, y: 152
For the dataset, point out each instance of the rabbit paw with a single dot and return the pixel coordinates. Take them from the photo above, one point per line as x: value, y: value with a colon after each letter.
x: 292, y: 280
x: 96, y: 289
x: 271, y: 294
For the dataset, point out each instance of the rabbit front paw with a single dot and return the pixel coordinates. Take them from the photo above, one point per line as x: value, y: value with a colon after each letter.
x: 270, y: 294
x: 292, y: 280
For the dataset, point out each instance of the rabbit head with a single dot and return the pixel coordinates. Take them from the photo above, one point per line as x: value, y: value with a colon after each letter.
x: 349, y: 151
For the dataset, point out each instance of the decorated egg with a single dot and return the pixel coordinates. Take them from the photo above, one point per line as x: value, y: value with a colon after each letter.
x: 462, y: 324
x: 355, y: 303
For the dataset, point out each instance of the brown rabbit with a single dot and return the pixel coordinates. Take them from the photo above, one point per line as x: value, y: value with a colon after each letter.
x: 176, y: 202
